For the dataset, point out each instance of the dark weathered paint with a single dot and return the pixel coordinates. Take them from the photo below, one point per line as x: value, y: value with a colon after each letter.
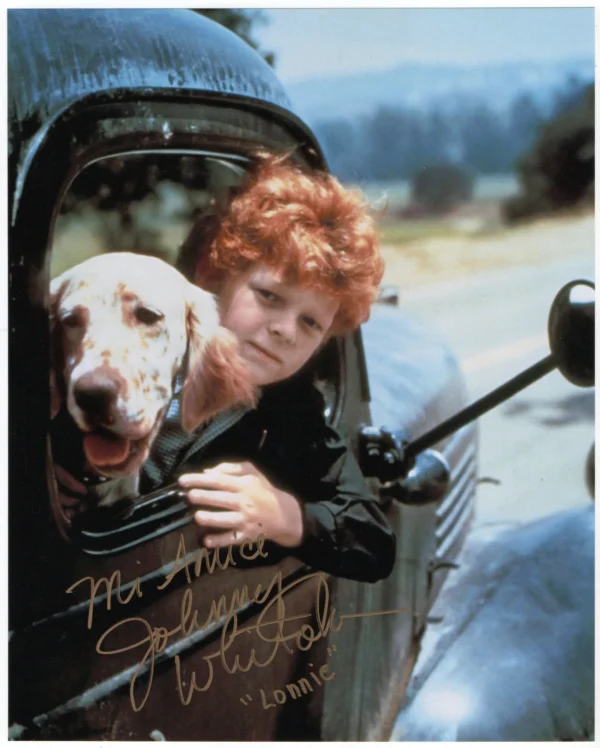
x: 75, y: 103
x: 58, y: 58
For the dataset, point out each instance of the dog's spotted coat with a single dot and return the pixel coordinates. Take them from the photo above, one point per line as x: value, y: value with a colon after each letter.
x: 124, y: 326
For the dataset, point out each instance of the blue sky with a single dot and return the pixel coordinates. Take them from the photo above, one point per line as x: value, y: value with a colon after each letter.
x: 311, y: 42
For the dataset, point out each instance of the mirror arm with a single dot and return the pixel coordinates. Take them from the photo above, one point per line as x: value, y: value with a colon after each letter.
x: 481, y: 406
x: 571, y: 336
x: 390, y: 457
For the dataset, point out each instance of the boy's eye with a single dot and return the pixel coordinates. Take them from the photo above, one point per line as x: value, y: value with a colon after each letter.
x: 312, y: 323
x: 268, y: 295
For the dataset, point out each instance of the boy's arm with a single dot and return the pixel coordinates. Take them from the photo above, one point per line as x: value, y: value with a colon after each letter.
x: 345, y: 531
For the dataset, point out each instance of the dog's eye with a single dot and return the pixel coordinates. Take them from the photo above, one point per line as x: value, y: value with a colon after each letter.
x: 72, y: 319
x: 148, y: 316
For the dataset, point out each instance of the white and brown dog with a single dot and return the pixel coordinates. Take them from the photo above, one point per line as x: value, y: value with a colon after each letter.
x: 123, y: 327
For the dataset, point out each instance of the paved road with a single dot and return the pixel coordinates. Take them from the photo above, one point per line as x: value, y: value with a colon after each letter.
x: 534, y: 444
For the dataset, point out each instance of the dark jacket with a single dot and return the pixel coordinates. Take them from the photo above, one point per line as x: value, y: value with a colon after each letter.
x: 288, y: 439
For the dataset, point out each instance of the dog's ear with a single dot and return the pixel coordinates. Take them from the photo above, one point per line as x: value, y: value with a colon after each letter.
x: 57, y: 289
x: 216, y: 376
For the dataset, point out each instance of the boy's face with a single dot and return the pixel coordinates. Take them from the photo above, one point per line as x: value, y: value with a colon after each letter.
x: 279, y: 325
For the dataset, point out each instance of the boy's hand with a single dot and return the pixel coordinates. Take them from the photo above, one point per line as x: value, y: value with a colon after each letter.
x: 250, y: 506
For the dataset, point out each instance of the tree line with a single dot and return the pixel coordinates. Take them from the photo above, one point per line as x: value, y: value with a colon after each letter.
x: 395, y: 142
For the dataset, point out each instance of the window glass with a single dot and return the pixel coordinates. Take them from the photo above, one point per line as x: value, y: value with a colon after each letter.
x: 138, y: 202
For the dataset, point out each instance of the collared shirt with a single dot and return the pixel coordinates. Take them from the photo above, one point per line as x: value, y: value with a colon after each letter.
x: 174, y: 446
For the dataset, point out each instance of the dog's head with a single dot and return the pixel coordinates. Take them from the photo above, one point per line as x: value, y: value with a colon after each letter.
x: 123, y: 326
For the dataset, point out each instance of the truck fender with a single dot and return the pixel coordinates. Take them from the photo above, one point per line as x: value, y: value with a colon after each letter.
x: 512, y: 656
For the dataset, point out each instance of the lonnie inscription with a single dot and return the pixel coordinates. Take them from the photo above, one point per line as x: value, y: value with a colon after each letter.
x: 267, y: 626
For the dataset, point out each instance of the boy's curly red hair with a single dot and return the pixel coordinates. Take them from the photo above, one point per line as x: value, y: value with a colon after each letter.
x: 319, y: 233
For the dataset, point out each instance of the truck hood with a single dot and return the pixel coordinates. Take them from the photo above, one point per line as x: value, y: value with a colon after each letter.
x: 415, y: 378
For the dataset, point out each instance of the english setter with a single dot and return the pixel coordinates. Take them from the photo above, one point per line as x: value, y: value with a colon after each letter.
x: 123, y: 327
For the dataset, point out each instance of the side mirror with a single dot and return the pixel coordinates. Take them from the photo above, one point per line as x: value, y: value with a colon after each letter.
x: 389, y: 456
x: 571, y: 332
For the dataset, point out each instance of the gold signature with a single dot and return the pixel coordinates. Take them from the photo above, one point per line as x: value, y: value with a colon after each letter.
x: 154, y: 639
x: 182, y: 562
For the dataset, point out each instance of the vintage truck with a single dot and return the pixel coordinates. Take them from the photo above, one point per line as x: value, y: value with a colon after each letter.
x: 102, y: 101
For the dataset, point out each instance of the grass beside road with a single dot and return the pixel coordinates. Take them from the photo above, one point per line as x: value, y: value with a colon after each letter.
x: 464, y: 243
x: 417, y: 251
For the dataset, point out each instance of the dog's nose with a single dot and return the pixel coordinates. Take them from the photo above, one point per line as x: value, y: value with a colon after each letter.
x: 96, y: 393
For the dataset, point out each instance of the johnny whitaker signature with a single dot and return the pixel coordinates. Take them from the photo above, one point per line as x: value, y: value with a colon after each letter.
x: 271, y: 627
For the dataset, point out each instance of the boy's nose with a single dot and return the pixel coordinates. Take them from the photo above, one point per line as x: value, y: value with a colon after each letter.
x: 283, y: 328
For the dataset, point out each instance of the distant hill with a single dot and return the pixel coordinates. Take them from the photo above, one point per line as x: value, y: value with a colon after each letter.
x: 387, y: 125
x: 421, y: 86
